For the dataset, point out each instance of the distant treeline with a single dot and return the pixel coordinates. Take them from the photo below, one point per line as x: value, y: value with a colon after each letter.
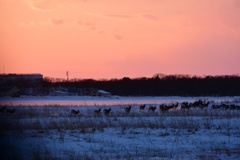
x: 164, y: 85
x: 158, y: 85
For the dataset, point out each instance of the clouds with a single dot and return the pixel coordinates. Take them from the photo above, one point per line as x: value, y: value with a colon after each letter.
x: 70, y: 22
x: 118, y: 16
x: 106, y: 16
x: 42, y: 5
x: 77, y: 24
x: 56, y: 21
x: 150, y: 17
x: 110, y: 16
x: 118, y: 35
x: 49, y: 5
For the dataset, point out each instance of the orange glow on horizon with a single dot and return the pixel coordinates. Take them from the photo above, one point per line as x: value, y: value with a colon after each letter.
x: 115, y: 39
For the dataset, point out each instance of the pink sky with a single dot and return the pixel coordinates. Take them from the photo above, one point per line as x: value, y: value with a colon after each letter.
x: 117, y: 38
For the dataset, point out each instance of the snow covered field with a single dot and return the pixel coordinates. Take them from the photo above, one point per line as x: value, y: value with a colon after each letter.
x: 52, y: 128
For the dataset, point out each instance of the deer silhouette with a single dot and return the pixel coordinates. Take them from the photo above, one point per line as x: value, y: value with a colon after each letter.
x: 97, y: 111
x: 152, y: 108
x: 107, y: 111
x: 75, y: 112
x: 142, y: 107
x: 128, y: 109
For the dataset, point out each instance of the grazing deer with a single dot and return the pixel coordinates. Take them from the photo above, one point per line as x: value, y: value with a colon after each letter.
x: 97, y: 112
x: 164, y: 108
x: 142, y: 107
x: 152, y: 108
x: 75, y: 112
x: 107, y: 111
x: 2, y: 109
x: 185, y: 105
x: 128, y: 109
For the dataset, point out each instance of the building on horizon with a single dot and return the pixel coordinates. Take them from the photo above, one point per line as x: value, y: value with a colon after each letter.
x: 7, y: 77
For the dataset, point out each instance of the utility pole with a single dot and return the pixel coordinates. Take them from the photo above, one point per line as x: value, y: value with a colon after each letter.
x: 3, y: 69
x: 67, y: 75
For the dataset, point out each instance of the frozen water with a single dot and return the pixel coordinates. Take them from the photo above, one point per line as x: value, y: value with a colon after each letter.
x: 91, y: 101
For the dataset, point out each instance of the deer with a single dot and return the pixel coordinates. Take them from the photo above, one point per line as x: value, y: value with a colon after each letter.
x: 142, y: 107
x: 185, y: 105
x: 164, y: 108
x: 75, y: 112
x: 128, y: 109
x: 152, y: 108
x: 97, y: 111
x: 107, y: 111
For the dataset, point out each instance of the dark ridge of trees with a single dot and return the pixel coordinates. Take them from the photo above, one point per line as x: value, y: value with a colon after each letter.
x: 164, y: 85
x: 158, y: 85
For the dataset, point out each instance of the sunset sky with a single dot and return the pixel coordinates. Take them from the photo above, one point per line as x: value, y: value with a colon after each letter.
x: 119, y: 38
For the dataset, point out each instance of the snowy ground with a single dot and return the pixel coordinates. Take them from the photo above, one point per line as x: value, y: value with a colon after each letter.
x: 48, y: 130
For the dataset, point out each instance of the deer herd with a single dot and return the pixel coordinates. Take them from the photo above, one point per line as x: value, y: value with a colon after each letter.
x: 163, y: 108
